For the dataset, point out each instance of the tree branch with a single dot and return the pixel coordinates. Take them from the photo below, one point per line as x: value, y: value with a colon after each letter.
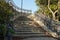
x: 49, y: 7
x: 56, y: 11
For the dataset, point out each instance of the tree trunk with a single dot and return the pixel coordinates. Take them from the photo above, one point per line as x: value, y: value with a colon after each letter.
x: 53, y: 13
x: 59, y: 10
x: 53, y: 16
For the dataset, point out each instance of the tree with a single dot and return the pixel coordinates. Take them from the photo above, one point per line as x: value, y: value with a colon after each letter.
x: 49, y: 7
x: 5, y: 13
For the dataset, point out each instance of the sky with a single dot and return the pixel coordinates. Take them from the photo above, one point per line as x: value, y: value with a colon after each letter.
x: 27, y: 4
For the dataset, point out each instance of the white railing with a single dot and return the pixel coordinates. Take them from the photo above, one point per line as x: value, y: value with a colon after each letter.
x: 17, y: 8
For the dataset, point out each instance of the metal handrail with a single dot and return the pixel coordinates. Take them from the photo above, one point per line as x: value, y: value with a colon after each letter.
x: 17, y: 8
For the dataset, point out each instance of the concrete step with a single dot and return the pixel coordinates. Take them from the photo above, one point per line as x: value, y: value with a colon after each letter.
x: 27, y: 34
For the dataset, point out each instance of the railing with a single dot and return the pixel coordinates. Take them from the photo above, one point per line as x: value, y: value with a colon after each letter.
x: 17, y: 8
x: 18, y: 11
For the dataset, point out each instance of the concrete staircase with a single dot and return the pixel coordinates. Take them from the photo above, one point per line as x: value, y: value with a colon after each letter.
x: 27, y: 27
x: 31, y: 24
x: 25, y: 24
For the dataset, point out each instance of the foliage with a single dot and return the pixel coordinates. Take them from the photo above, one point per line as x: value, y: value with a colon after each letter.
x: 5, y: 11
x: 44, y: 5
x: 53, y: 7
x: 2, y: 29
x: 5, y: 14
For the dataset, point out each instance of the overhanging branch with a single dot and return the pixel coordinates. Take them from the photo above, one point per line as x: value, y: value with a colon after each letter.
x: 49, y: 7
x: 56, y: 11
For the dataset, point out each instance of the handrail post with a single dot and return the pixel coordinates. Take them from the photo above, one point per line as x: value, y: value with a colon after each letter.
x: 21, y: 6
